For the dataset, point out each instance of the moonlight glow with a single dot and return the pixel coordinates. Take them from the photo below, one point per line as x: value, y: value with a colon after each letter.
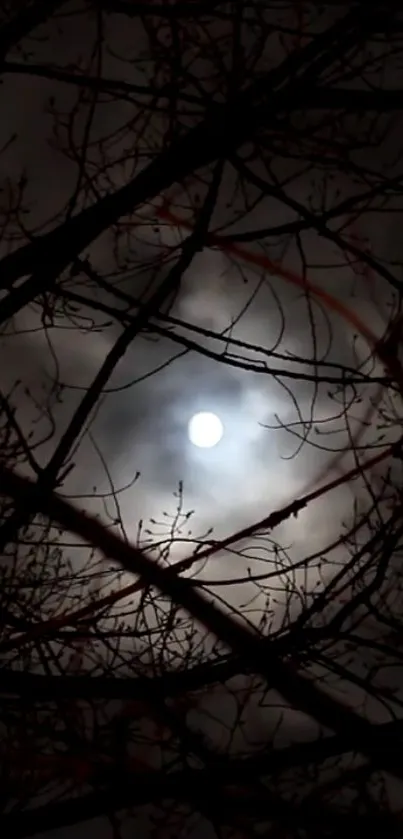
x: 205, y: 430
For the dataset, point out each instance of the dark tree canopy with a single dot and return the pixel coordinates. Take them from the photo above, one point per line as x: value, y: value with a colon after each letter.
x: 200, y: 210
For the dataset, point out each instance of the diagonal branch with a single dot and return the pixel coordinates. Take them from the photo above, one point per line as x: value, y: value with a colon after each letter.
x: 297, y: 690
x: 170, y: 284
x: 315, y: 222
x: 224, y: 129
x: 25, y: 22
x: 53, y: 625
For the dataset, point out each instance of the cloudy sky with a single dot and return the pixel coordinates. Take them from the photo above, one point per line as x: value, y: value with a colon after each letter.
x: 141, y: 422
x: 282, y: 435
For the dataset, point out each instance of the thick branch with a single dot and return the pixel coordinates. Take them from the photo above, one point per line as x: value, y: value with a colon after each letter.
x: 297, y: 690
x: 196, y: 786
x: 25, y: 22
x: 222, y: 131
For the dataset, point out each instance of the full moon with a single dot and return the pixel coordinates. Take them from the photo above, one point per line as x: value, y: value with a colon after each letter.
x: 205, y: 430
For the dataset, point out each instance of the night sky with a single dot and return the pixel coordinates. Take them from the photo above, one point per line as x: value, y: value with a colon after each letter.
x: 282, y: 433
